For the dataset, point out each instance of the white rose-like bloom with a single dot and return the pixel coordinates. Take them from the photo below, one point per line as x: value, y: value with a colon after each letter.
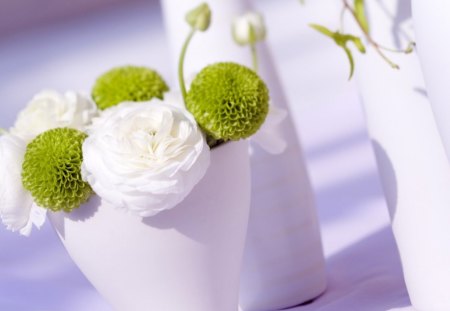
x: 249, y: 28
x: 144, y: 157
x: 17, y: 210
x: 50, y: 109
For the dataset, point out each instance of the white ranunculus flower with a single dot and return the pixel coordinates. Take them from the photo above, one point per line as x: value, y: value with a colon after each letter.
x: 50, y: 109
x: 249, y: 28
x: 17, y: 210
x: 145, y: 157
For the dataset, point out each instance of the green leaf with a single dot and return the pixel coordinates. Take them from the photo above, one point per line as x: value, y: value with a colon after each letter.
x: 323, y: 30
x: 356, y: 41
x: 350, y: 59
x: 359, y: 45
x: 342, y: 40
x: 360, y: 14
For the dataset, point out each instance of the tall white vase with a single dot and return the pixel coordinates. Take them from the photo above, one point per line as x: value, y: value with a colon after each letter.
x: 184, y: 259
x: 283, y: 261
x: 432, y: 26
x: 411, y: 159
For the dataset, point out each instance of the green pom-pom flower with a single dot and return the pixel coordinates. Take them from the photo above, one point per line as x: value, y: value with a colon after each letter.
x: 128, y: 83
x: 229, y: 101
x: 51, y: 170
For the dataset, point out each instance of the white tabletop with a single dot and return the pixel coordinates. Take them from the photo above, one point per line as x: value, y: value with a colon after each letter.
x: 363, y: 264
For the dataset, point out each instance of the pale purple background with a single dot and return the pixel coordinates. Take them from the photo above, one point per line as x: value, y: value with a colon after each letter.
x: 50, y: 43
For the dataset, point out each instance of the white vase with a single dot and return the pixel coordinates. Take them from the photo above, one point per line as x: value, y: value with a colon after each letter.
x: 411, y: 159
x: 283, y: 261
x: 432, y: 26
x: 184, y: 259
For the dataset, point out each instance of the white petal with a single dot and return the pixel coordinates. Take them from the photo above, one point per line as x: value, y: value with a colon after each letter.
x: 50, y: 109
x: 241, y: 28
x: 270, y: 136
x: 37, y: 217
x: 16, y: 204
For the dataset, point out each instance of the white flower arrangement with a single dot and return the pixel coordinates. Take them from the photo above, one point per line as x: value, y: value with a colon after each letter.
x: 135, y: 145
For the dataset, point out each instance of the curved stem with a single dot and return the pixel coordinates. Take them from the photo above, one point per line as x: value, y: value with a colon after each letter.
x: 392, y: 50
x: 387, y: 59
x: 378, y: 48
x: 342, y: 16
x: 181, y: 64
x: 254, y: 57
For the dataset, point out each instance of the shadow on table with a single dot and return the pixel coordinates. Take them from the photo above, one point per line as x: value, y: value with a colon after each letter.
x: 344, y: 199
x: 356, y: 279
x: 37, y: 274
x: 338, y: 200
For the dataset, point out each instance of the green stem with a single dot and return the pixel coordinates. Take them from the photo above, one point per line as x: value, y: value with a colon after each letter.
x: 181, y: 64
x: 254, y: 57
x: 343, y: 10
x: 369, y: 38
x: 392, y: 50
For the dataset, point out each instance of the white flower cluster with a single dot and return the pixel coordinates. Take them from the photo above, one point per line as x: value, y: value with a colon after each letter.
x: 47, y: 110
x: 140, y: 157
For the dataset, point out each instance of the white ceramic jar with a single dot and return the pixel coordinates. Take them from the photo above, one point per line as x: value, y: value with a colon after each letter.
x: 411, y: 158
x: 283, y: 260
x: 432, y: 26
x: 187, y: 258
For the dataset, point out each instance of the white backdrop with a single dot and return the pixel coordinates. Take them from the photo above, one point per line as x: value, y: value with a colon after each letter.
x: 363, y: 265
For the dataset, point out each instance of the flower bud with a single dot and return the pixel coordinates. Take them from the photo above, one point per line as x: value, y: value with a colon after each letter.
x: 249, y: 28
x: 200, y: 17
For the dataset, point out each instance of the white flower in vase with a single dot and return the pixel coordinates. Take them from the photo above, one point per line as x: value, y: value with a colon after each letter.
x: 145, y: 157
x: 18, y: 212
x: 50, y: 109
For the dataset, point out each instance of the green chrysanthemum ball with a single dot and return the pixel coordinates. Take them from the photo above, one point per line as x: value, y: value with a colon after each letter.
x: 128, y: 83
x: 51, y: 170
x: 229, y: 101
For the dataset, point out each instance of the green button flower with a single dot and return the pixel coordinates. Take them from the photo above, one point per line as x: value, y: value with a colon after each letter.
x: 229, y: 101
x: 51, y: 170
x: 128, y: 83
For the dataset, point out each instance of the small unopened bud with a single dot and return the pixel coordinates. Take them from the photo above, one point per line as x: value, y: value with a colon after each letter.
x: 410, y: 48
x: 200, y: 17
x: 249, y: 28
